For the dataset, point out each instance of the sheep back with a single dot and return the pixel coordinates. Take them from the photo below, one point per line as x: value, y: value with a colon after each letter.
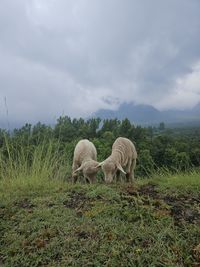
x: 124, y: 149
x: 84, y: 150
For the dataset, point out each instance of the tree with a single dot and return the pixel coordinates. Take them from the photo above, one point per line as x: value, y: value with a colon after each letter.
x: 125, y: 128
x: 41, y: 132
x: 64, y: 129
x: 159, y: 145
x: 182, y: 161
x: 139, y: 134
x: 93, y: 125
x: 169, y: 157
x: 146, y: 164
x: 161, y: 126
x: 195, y: 157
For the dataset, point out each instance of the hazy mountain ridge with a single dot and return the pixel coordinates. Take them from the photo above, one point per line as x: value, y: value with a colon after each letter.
x: 147, y: 114
x: 138, y: 114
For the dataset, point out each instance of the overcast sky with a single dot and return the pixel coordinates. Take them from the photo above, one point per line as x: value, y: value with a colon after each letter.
x: 74, y: 57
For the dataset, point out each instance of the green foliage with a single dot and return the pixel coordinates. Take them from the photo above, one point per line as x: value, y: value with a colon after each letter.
x: 182, y: 161
x: 126, y: 129
x: 111, y: 125
x: 45, y: 220
x: 181, y: 183
x: 195, y: 156
x: 104, y: 145
x: 157, y: 148
x: 146, y: 165
x: 46, y: 160
x: 64, y: 129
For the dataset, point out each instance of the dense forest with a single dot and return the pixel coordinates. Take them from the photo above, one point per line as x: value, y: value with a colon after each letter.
x: 159, y: 148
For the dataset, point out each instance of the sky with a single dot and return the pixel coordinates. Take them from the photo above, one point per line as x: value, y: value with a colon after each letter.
x: 73, y: 57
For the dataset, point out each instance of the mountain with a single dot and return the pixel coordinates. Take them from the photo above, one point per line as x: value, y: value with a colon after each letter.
x: 146, y: 114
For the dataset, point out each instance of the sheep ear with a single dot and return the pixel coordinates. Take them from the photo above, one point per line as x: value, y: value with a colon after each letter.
x: 100, y: 164
x: 119, y: 167
x: 77, y: 170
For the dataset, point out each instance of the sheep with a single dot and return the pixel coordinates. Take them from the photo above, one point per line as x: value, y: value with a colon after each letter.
x: 85, y: 156
x: 124, y: 155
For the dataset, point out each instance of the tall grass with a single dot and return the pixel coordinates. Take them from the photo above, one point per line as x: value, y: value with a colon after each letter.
x: 33, y: 166
x: 49, y: 162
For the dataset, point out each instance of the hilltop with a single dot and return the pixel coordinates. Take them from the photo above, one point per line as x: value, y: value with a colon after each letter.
x: 48, y: 222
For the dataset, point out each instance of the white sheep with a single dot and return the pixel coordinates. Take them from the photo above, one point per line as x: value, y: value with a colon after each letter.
x: 123, y: 155
x: 85, y: 156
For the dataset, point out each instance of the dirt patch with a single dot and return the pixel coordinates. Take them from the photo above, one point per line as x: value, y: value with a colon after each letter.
x: 186, y: 199
x: 86, y: 232
x: 147, y: 243
x: 24, y: 203
x: 182, y: 208
x: 130, y: 190
x: 148, y: 190
x: 78, y: 201
x: 83, y: 235
x: 144, y: 190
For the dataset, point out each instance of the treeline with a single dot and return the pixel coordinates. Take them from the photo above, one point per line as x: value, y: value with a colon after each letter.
x: 158, y: 148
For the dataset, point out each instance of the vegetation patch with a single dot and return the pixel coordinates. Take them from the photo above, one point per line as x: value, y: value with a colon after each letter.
x: 183, y: 208
x: 45, y: 220
x: 100, y: 225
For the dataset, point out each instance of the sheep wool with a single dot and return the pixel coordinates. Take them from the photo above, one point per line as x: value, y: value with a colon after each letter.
x: 122, y: 160
x: 85, y: 160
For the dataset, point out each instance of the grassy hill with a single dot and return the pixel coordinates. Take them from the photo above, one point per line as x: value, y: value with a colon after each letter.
x: 45, y: 220
x: 51, y: 222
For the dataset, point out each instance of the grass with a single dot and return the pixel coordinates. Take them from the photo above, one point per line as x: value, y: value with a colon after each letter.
x: 47, y: 221
x: 183, y: 182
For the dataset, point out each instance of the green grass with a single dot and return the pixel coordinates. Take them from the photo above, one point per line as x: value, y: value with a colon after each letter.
x: 183, y: 181
x: 45, y: 220
x: 50, y: 222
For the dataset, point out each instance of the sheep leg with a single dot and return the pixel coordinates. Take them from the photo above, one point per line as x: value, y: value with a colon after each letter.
x: 128, y: 176
x: 92, y: 180
x: 74, y: 176
x: 87, y: 180
x: 132, y: 169
x: 128, y: 172
x: 118, y: 176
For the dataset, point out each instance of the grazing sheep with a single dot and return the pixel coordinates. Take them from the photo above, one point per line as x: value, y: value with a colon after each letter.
x: 123, y: 156
x: 85, y: 156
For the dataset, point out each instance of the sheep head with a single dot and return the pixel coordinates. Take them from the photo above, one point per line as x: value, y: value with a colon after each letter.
x: 88, y: 168
x: 109, y: 168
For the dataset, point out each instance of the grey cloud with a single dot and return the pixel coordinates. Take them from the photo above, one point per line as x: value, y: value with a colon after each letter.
x: 74, y: 57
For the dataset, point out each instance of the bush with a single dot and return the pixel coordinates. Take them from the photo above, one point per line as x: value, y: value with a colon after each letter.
x: 182, y: 161
x: 146, y: 164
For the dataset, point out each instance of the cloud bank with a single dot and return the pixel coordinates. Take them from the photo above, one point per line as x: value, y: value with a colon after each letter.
x: 75, y: 57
